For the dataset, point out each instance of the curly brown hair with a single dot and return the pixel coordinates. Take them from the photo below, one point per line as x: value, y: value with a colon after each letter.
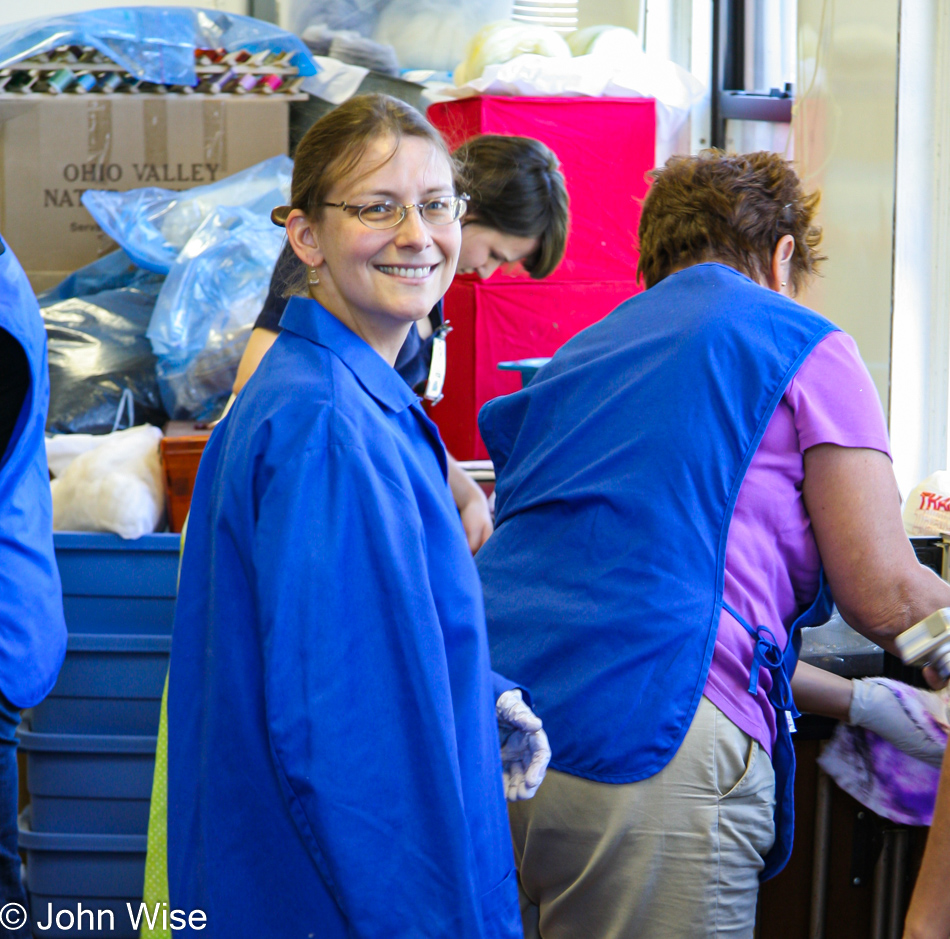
x: 732, y: 208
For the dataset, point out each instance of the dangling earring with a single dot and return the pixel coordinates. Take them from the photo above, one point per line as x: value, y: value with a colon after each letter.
x: 313, y: 280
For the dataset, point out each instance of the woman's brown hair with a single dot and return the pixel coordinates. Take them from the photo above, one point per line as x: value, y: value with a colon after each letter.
x: 334, y: 146
x: 516, y: 188
x: 732, y: 208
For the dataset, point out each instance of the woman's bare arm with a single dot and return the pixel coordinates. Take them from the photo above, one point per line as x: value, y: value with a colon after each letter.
x: 853, y: 502
x: 261, y: 340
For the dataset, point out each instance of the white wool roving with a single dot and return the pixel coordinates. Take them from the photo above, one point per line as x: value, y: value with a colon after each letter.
x: 503, y: 41
x: 612, y: 42
x: 433, y: 34
x: 115, y: 487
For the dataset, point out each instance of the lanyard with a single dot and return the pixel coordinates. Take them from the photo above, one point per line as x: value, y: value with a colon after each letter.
x: 433, y: 392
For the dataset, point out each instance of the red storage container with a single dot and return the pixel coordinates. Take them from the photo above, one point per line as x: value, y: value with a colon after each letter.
x: 498, y: 320
x: 606, y: 147
x: 181, y: 450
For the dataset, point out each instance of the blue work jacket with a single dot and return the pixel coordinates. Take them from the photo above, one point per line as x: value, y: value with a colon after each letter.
x: 618, y: 469
x: 32, y: 628
x: 333, y: 752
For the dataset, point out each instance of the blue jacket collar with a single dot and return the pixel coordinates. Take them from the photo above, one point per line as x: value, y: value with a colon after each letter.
x: 309, y: 319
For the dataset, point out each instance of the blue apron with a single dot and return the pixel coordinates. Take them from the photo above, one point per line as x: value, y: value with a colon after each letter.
x: 618, y: 470
x: 32, y: 628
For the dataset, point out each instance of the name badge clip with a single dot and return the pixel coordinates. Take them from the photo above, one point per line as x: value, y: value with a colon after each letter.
x: 433, y: 392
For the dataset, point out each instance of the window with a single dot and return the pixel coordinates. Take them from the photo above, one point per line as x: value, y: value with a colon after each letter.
x: 558, y: 14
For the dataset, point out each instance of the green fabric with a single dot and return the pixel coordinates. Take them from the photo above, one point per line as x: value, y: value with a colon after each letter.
x: 156, y: 861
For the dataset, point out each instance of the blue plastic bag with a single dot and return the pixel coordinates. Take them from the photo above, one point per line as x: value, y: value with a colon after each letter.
x: 207, y: 308
x: 155, y: 44
x: 152, y: 225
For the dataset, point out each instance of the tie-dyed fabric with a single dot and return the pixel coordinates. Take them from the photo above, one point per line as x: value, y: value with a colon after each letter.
x: 883, y: 778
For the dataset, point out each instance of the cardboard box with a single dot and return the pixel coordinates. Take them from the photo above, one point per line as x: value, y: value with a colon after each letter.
x: 606, y: 146
x: 500, y: 320
x: 54, y: 147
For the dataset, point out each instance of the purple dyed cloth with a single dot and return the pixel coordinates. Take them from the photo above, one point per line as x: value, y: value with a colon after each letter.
x: 772, y: 561
x: 881, y: 777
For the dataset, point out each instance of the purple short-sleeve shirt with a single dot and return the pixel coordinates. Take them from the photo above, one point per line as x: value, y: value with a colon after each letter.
x: 772, y: 562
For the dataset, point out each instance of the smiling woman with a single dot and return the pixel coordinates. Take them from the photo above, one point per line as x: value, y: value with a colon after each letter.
x: 375, y: 261
x: 330, y: 701
x: 515, y: 210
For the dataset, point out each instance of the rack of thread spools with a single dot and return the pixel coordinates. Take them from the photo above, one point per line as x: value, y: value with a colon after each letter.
x: 83, y: 70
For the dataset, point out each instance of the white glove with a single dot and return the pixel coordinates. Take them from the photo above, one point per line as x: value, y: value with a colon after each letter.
x: 525, y: 752
x: 899, y: 714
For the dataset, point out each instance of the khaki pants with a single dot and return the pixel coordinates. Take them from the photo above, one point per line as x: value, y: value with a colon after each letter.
x: 675, y: 855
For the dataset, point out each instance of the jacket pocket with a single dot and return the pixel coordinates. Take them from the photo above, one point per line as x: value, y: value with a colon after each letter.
x: 500, y: 911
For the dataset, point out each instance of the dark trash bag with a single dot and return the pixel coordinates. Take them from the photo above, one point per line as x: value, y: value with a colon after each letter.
x: 95, y: 326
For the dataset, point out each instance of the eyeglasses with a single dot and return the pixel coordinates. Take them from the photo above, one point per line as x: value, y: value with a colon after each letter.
x: 442, y: 211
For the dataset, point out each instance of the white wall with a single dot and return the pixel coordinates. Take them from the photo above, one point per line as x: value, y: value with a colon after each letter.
x: 616, y: 12
x: 920, y: 345
x: 844, y: 126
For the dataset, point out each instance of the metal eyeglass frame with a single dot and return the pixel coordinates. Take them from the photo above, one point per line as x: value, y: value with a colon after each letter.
x: 461, y: 201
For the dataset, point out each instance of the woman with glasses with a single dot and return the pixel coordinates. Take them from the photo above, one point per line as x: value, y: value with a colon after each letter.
x: 333, y: 750
x: 516, y: 211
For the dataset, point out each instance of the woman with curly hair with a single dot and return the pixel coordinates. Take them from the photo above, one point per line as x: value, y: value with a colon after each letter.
x: 680, y: 490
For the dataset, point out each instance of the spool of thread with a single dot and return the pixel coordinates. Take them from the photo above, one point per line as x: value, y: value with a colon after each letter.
x: 84, y: 83
x: 111, y: 81
x: 246, y: 83
x: 60, y: 81
x: 130, y: 85
x: 239, y: 57
x: 291, y: 86
x: 215, y: 85
x: 269, y: 84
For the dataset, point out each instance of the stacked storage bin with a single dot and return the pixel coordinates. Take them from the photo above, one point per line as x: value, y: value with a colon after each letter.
x: 90, y: 746
x: 605, y: 147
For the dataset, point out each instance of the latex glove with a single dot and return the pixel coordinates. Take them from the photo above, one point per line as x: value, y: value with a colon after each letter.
x: 525, y: 752
x: 901, y: 715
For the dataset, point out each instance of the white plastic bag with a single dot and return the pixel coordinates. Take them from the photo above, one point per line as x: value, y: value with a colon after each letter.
x: 505, y: 40
x: 117, y: 486
x: 638, y: 76
x: 927, y: 509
